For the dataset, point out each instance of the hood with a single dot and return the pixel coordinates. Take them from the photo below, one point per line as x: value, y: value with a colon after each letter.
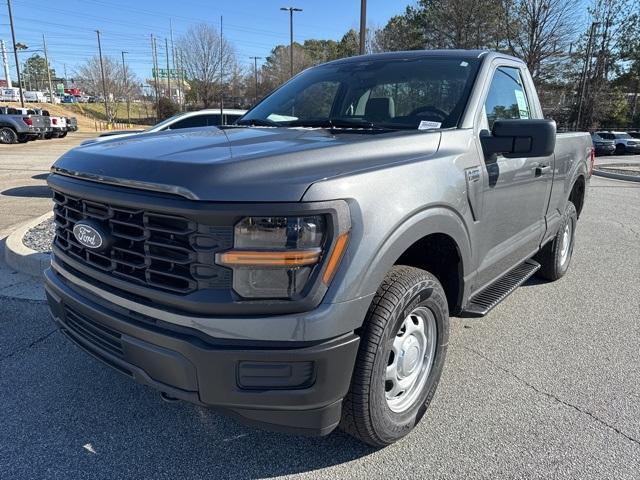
x: 241, y: 164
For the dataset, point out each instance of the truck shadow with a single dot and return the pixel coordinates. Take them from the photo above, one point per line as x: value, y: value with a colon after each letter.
x: 111, y: 424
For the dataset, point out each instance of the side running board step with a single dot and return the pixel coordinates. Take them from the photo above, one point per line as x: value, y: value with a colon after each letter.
x: 481, y: 303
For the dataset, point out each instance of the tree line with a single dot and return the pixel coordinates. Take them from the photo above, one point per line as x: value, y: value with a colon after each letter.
x: 586, y: 65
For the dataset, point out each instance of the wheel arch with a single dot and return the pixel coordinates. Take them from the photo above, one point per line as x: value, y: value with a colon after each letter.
x: 435, y: 240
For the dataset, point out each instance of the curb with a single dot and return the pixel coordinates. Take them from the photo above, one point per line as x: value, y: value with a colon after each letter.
x: 20, y: 257
x: 616, y: 176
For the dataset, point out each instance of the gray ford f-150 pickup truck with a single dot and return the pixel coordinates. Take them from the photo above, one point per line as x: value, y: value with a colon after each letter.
x: 297, y: 270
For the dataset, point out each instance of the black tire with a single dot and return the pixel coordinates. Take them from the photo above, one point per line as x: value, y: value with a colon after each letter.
x: 553, y: 264
x: 63, y: 134
x: 621, y: 149
x: 8, y: 135
x: 366, y: 412
x: 23, y: 138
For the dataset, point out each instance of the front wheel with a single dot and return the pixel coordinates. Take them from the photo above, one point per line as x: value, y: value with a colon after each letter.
x: 621, y: 149
x: 402, y: 351
x: 8, y: 135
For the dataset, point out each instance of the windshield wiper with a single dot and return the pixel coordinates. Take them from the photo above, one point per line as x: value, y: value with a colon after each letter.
x: 258, y: 122
x: 336, y: 123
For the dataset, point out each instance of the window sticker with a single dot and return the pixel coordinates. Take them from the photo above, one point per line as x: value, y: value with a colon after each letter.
x: 464, y: 64
x: 522, y: 104
x: 427, y: 125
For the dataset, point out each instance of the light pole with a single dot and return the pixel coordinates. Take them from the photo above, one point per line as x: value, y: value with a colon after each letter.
x: 15, y: 52
x: 104, y: 83
x: 126, y: 87
x: 255, y: 76
x: 291, y: 10
x: 585, y: 71
x: 363, y: 24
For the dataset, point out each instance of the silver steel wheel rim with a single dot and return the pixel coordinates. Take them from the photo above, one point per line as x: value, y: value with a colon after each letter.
x: 566, y: 243
x: 410, y: 359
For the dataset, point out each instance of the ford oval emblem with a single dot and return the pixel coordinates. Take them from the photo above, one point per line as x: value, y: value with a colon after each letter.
x: 88, y: 236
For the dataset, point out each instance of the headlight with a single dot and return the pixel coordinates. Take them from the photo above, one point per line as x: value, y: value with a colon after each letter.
x: 274, y: 257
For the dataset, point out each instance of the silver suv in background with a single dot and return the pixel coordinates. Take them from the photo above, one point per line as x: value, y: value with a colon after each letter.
x: 624, y: 142
x: 200, y: 118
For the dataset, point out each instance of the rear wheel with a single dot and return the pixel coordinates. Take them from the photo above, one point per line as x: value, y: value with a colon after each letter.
x: 8, y: 135
x: 555, y: 256
x: 63, y: 134
x: 402, y: 351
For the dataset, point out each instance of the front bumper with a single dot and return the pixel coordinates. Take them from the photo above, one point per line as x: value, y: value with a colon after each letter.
x: 605, y: 149
x: 632, y: 148
x: 295, y: 387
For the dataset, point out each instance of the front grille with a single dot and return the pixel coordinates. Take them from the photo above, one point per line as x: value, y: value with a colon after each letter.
x: 95, y: 333
x: 164, y: 252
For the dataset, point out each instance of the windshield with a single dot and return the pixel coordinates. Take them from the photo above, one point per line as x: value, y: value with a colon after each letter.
x: 427, y: 92
x: 622, y: 135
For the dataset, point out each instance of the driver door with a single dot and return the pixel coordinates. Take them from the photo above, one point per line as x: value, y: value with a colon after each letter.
x: 515, y: 190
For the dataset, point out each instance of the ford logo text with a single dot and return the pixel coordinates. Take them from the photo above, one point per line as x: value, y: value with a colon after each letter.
x: 87, y: 236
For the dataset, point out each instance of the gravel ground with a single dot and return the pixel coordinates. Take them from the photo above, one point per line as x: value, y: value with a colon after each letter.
x: 39, y: 238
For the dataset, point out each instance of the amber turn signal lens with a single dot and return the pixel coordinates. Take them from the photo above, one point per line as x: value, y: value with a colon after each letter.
x: 335, y: 257
x: 290, y: 258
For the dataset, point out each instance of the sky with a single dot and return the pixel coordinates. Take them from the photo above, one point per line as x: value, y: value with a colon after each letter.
x: 254, y: 27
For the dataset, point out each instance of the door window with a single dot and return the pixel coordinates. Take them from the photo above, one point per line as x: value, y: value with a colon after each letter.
x: 507, y: 98
x: 190, y: 122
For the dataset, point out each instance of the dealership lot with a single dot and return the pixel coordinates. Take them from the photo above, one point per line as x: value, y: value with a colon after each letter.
x: 23, y: 170
x: 545, y: 386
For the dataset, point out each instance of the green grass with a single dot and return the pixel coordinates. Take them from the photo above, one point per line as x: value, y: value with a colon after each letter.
x: 96, y: 111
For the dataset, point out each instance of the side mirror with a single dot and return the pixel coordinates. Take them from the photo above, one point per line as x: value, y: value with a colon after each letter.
x: 520, y: 138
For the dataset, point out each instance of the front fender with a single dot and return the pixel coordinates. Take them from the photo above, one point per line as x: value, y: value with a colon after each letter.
x: 368, y: 262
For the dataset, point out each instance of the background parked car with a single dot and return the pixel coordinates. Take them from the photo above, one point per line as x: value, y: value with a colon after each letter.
x: 34, y: 96
x: 625, y: 143
x: 603, y: 146
x: 48, y: 127
x: 19, y: 126
x: 634, y: 134
x: 11, y: 94
x: 199, y: 118
x: 59, y: 125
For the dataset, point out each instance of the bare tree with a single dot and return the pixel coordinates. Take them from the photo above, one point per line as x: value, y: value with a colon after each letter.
x: 119, y: 83
x: 203, y: 52
x: 540, y: 31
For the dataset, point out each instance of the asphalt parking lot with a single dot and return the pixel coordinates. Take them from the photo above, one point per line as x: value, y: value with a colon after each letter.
x: 23, y: 171
x: 546, y: 386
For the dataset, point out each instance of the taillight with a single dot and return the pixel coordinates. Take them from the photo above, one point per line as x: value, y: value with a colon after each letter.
x: 54, y: 121
x: 28, y: 121
x: 592, y: 160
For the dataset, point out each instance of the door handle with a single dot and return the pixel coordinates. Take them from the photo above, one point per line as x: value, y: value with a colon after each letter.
x: 542, y: 169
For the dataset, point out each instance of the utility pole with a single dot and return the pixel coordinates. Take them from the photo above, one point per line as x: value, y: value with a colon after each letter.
x: 173, y: 62
x: 166, y: 52
x: 46, y: 60
x: 125, y: 77
x: 363, y: 25
x: 104, y: 83
x: 221, y: 74
x: 154, y: 50
x: 15, y: 52
x: 5, y: 63
x: 291, y: 10
x: 585, y: 72
x: 255, y: 76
